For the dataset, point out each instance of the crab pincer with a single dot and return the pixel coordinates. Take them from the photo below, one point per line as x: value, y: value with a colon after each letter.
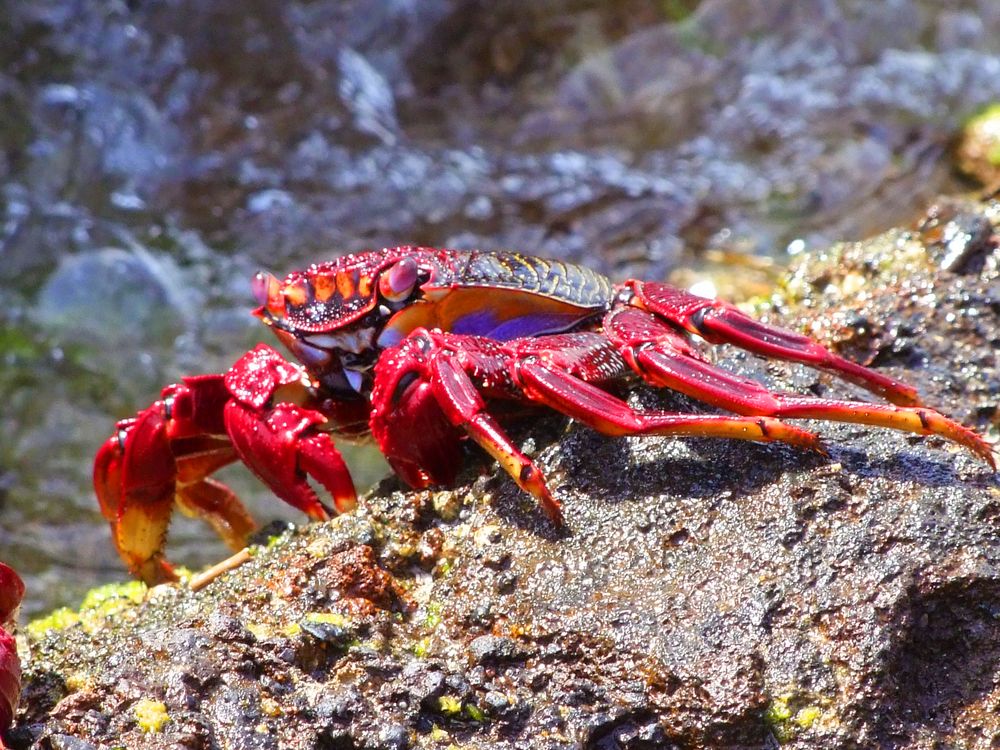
x: 163, y: 457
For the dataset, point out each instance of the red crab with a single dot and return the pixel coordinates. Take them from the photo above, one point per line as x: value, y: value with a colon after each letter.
x: 422, y: 349
x: 11, y: 593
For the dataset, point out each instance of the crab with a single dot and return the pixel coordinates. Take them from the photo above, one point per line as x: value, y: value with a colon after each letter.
x: 425, y: 349
x: 11, y: 593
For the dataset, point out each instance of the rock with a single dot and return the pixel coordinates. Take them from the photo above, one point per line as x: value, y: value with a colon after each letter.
x: 114, y: 297
x: 704, y: 594
x: 977, y: 150
x: 491, y: 648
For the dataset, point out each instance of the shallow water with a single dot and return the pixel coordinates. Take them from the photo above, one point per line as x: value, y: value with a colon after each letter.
x: 153, y: 158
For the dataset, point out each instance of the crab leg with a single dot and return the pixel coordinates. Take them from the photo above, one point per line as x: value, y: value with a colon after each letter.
x: 611, y: 416
x: 720, y: 323
x: 426, y: 380
x: 552, y: 371
x: 663, y: 357
x: 463, y: 405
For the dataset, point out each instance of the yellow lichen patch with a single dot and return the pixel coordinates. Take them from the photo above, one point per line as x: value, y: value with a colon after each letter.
x: 328, y: 618
x: 78, y: 681
x: 443, y: 567
x: 270, y: 707
x: 806, y: 717
x: 432, y: 614
x: 777, y: 711
x: 260, y: 630
x: 150, y: 715
x: 98, y: 605
x: 439, y: 735
x: 791, y: 713
x: 449, y: 705
x: 114, y: 597
x: 59, y: 619
x: 475, y: 713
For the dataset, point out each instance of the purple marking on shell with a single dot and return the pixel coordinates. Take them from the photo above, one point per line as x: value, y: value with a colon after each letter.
x: 478, y: 323
x: 485, y: 323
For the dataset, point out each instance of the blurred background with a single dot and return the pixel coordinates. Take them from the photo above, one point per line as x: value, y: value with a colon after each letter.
x: 155, y: 154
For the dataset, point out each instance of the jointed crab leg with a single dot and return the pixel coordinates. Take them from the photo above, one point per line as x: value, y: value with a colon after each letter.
x: 465, y: 408
x: 553, y: 372
x: 720, y: 323
x: 167, y: 461
x: 665, y: 358
x: 603, y: 412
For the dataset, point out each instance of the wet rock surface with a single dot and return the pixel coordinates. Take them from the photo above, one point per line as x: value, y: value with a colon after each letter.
x: 704, y: 594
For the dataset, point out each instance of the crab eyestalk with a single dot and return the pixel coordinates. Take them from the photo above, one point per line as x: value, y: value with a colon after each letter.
x: 398, y: 281
x: 268, y: 293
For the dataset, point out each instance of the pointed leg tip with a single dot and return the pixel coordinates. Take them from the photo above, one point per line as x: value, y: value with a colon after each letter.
x: 345, y: 504
x: 974, y: 442
x: 321, y: 512
x: 989, y: 455
x: 153, y: 571
x: 553, y: 511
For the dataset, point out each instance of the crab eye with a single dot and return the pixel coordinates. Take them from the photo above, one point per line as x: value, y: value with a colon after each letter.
x: 267, y: 291
x: 398, y: 281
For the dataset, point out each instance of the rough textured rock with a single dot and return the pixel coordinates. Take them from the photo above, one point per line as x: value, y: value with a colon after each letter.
x: 703, y: 593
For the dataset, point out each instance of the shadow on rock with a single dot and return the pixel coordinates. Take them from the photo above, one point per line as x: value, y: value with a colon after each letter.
x: 942, y: 669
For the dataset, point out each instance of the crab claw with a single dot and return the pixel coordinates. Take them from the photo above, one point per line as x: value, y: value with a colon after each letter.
x: 282, y: 443
x: 162, y: 457
x: 282, y: 447
x: 11, y: 591
x: 134, y: 480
